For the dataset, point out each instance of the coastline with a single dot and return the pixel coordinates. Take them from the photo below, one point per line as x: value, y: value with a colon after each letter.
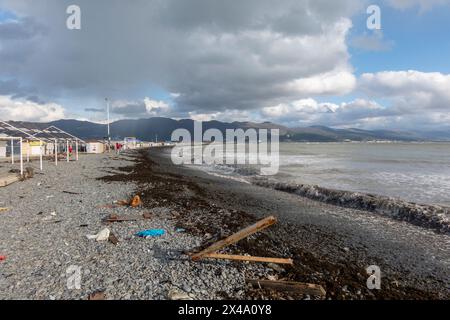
x: 326, y: 242
x: 330, y: 245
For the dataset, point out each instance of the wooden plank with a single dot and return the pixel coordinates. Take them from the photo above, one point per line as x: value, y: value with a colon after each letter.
x: 248, y: 258
x: 260, y: 225
x: 6, y: 181
x: 290, y: 286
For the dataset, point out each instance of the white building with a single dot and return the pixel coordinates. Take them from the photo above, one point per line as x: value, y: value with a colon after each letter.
x: 3, y: 149
x: 95, y: 147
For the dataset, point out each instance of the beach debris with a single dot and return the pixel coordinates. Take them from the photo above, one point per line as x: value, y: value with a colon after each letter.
x: 53, y: 213
x: 70, y: 192
x: 151, y: 233
x: 10, y: 179
x: 2, y: 258
x: 113, y: 239
x: 122, y: 202
x: 103, y: 235
x: 4, y: 209
x: 289, y: 286
x: 175, y: 294
x: 97, y: 295
x: 179, y: 230
x: 122, y: 218
x: 118, y: 218
x: 249, y: 258
x: 136, y: 202
x: 211, y: 251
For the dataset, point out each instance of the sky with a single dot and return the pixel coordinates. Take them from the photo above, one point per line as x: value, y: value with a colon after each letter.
x: 292, y: 62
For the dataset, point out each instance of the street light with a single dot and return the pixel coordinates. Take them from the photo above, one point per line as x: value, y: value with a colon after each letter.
x: 107, y: 114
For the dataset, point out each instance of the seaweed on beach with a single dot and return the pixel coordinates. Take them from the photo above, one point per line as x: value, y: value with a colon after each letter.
x: 195, y: 210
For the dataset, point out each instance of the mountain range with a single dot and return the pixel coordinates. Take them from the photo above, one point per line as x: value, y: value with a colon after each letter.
x: 161, y: 129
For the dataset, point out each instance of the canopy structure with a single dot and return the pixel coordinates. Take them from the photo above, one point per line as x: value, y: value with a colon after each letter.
x: 11, y: 133
x: 30, y: 132
x: 56, y: 135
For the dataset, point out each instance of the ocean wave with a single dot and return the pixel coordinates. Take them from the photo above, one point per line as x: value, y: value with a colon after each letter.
x: 428, y: 216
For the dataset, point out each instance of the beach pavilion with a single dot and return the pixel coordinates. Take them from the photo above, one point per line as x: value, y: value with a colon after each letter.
x: 11, y: 134
x: 56, y: 137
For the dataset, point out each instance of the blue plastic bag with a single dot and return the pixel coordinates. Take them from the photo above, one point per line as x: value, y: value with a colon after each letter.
x: 151, y: 233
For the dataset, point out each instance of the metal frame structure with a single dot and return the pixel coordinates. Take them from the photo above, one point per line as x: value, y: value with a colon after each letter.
x: 12, y: 133
x: 51, y: 134
x: 55, y: 135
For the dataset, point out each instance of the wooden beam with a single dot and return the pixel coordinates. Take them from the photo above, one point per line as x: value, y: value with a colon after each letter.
x: 260, y: 225
x: 248, y: 258
x: 6, y: 181
x: 290, y: 286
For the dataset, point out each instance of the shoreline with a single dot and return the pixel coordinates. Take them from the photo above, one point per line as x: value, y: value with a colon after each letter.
x: 45, y: 231
x: 228, y: 206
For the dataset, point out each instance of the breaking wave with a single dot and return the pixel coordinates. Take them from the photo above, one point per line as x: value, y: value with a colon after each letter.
x: 428, y: 216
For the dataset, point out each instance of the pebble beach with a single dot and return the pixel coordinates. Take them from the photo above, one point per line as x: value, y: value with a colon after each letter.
x: 44, y: 237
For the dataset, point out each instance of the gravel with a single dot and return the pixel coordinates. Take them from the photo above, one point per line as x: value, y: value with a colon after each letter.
x: 43, y: 237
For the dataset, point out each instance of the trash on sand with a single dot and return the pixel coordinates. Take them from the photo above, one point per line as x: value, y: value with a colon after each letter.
x: 53, y: 213
x: 211, y: 251
x: 122, y: 202
x: 70, y: 192
x: 117, y: 218
x: 175, y: 294
x: 151, y: 233
x: 101, y: 236
x: 98, y: 295
x: 180, y: 230
x: 291, y: 286
x: 136, y: 202
x: 248, y: 258
x: 113, y: 239
x: 4, y: 209
x: 2, y: 258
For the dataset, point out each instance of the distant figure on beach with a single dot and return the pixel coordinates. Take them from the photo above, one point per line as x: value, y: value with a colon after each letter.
x: 118, y: 147
x: 70, y: 150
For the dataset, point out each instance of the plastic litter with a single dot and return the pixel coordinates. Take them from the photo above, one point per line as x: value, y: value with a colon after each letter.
x: 151, y: 233
x: 101, y: 236
x: 2, y: 258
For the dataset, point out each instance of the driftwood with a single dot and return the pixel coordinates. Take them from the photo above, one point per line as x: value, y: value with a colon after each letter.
x: 248, y: 258
x: 211, y: 251
x: 120, y: 218
x: 290, y: 286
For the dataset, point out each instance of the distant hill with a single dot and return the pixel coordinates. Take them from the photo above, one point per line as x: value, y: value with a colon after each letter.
x: 162, y: 128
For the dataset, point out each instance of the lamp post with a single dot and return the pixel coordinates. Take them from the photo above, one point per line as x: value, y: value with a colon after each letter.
x: 107, y: 115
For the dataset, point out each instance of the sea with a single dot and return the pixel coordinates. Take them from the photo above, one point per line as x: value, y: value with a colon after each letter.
x: 415, y: 172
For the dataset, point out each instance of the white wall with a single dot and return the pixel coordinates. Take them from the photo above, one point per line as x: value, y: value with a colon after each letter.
x: 2, y: 149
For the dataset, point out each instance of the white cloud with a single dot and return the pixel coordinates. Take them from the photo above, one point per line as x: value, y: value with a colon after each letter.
x: 409, y: 90
x: 154, y: 107
x: 215, y: 55
x: 25, y: 110
x: 307, y: 112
